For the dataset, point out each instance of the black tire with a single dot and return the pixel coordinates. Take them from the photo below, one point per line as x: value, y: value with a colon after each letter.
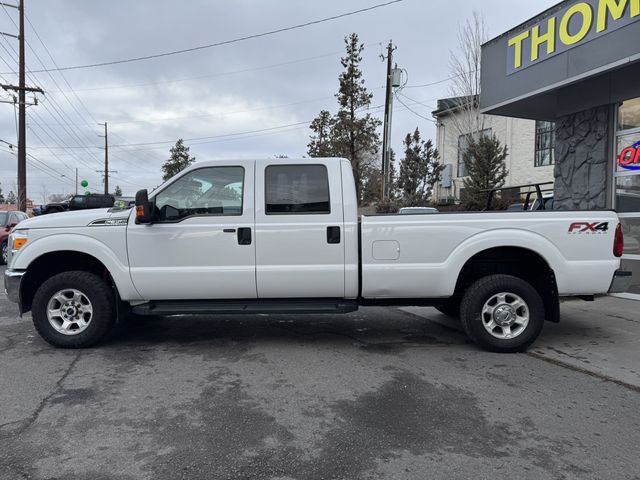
x: 4, y: 255
x: 101, y: 298
x: 486, y: 290
x: 450, y: 307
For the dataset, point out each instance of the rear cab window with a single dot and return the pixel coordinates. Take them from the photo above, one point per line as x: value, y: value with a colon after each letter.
x: 297, y: 190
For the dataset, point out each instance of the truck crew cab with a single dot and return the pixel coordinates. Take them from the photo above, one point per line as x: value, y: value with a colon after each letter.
x: 283, y: 236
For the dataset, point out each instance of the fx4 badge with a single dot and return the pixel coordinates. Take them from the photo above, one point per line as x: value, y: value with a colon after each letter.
x: 589, y: 228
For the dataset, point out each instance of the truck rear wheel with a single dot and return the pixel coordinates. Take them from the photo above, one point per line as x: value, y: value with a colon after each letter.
x: 74, y: 310
x: 502, y: 313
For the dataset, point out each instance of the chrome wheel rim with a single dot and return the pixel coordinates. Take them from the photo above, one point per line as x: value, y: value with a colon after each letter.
x: 505, y: 315
x: 69, y: 311
x: 5, y: 252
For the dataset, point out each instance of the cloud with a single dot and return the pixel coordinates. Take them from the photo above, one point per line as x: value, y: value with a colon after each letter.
x: 278, y: 80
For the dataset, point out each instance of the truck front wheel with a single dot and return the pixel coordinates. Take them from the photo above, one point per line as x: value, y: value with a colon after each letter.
x: 74, y: 309
x: 502, y: 313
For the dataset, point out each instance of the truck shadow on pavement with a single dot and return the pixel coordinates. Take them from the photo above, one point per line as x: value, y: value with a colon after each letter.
x: 374, y: 329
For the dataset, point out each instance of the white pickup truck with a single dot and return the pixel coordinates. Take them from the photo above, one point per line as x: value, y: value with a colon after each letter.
x: 283, y: 236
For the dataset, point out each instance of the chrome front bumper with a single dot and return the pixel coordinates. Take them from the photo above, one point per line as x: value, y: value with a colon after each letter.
x: 12, y: 281
x: 621, y: 282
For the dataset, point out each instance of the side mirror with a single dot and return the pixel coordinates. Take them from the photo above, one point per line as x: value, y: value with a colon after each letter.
x: 143, y: 207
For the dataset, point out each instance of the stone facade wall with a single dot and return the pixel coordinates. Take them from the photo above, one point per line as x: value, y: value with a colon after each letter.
x: 582, y: 160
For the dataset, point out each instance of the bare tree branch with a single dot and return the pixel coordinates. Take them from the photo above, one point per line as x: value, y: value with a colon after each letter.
x: 464, y: 66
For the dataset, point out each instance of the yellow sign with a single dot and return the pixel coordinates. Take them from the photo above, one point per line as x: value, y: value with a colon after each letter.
x: 577, y: 23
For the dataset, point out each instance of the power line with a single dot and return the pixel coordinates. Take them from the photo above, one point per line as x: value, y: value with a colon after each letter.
x: 212, y: 75
x: 49, y: 173
x: 419, y: 102
x: 54, y: 103
x: 58, y: 110
x: 413, y: 111
x: 438, y: 82
x: 224, y: 42
x: 217, y: 138
x: 225, y: 135
x: 52, y: 152
x: 220, y: 114
x: 278, y: 127
x: 82, y: 104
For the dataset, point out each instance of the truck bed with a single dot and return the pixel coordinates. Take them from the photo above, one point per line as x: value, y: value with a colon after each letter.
x: 422, y: 255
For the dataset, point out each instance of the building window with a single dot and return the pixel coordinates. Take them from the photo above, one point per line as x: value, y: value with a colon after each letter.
x: 627, y: 185
x: 545, y: 144
x: 463, y: 145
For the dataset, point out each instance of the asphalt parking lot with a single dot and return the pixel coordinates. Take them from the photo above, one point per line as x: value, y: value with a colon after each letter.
x: 379, y: 394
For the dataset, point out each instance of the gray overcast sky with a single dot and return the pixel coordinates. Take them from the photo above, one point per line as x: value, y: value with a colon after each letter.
x: 279, y: 80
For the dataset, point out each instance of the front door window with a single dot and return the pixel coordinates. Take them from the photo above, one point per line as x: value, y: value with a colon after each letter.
x: 214, y: 191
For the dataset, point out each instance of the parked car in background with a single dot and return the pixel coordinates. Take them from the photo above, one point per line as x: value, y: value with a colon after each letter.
x: 8, y: 220
x: 417, y: 210
x: 81, y: 202
x: 124, y: 202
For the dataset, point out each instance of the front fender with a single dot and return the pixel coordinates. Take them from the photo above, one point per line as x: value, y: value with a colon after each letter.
x: 86, y: 244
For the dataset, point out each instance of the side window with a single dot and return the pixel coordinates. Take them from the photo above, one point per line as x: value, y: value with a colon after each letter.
x: 297, y: 189
x: 13, y: 219
x: 206, y: 191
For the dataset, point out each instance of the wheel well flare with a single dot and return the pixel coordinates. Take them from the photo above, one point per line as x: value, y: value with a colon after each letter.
x: 53, y: 263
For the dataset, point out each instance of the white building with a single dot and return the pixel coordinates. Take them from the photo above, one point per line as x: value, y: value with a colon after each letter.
x: 530, y: 148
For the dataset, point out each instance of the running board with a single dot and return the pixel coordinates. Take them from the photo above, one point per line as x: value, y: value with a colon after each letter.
x: 267, y: 306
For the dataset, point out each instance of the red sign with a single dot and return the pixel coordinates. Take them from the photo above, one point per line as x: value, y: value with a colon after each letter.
x: 630, y: 157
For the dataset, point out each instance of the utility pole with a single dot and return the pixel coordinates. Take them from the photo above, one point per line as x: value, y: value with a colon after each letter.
x: 22, y: 89
x: 386, y: 136
x: 22, y: 116
x: 76, y: 181
x: 106, y: 158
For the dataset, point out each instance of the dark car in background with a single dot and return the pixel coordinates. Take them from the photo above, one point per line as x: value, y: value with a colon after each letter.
x: 80, y: 202
x: 8, y: 220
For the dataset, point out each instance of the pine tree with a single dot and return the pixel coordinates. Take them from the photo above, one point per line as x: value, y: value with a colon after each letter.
x: 484, y: 160
x: 1, y: 196
x: 372, y: 185
x: 320, y: 144
x: 420, y: 170
x: 11, y: 198
x: 118, y: 191
x: 178, y: 161
x: 349, y: 134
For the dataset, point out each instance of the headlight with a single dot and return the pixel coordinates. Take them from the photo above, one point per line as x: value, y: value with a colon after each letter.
x: 18, y: 239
